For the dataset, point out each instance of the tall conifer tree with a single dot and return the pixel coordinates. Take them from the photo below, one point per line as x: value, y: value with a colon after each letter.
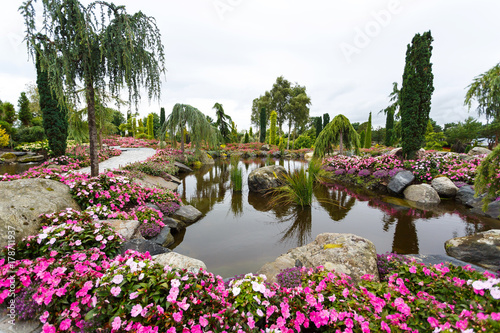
x: 416, y: 93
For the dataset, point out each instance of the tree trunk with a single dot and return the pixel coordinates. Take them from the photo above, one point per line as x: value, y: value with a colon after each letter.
x: 182, y: 140
x: 341, y: 143
x: 94, y: 159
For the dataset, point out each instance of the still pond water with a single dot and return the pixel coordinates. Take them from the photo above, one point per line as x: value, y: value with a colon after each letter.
x: 241, y: 231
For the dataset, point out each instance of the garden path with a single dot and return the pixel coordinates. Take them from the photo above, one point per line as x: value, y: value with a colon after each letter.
x: 128, y: 156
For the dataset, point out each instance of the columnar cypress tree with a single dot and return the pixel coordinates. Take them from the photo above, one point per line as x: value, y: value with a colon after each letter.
x: 263, y: 124
x: 318, y: 125
x: 24, y: 109
x: 54, y: 116
x: 326, y: 120
x: 416, y: 93
x: 162, y: 116
x: 362, y: 137
x: 368, y: 136
x: 389, y: 128
x: 273, y: 117
x: 150, y: 126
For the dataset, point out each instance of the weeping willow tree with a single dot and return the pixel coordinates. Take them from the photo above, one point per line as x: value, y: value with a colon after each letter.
x: 338, y: 132
x: 185, y: 116
x: 488, y: 178
x: 223, y: 122
x: 100, y: 46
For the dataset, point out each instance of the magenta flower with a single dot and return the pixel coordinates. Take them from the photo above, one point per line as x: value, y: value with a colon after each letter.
x: 65, y: 324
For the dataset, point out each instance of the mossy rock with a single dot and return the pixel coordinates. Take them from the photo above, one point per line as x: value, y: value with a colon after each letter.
x: 8, y: 157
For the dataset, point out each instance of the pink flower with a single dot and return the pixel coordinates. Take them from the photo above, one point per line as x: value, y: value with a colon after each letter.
x: 117, y: 322
x: 433, y: 321
x: 44, y: 316
x: 413, y: 269
x: 136, y: 309
x: 117, y: 279
x: 134, y: 295
x: 115, y: 291
x: 65, y: 324
x: 47, y: 328
x: 177, y: 316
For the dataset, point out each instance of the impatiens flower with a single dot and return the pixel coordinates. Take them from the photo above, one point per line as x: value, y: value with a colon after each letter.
x: 134, y: 295
x: 117, y: 279
x: 236, y: 291
x: 44, y: 316
x: 65, y: 324
x: 47, y: 328
x: 117, y: 322
x: 115, y: 291
x: 413, y: 269
x: 177, y: 316
x: 136, y: 310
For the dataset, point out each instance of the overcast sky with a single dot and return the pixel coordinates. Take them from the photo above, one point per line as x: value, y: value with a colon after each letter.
x: 346, y: 53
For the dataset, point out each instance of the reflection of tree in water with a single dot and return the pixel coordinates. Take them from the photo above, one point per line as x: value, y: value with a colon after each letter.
x: 405, y: 239
x: 261, y: 203
x: 212, y: 182
x: 300, y: 229
x: 336, y: 202
x: 237, y: 203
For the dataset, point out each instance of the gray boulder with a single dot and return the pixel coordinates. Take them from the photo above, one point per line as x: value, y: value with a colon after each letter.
x: 423, y: 193
x: 265, y: 178
x: 126, y: 228
x: 23, y: 200
x: 343, y: 253
x: 172, y: 223
x: 187, y: 215
x: 398, y: 152
x: 8, y: 157
x: 176, y: 260
x: 164, y: 238
x: 436, y: 259
x: 30, y: 158
x: 156, y: 182
x: 444, y: 187
x: 206, y: 159
x: 479, y: 151
x: 482, y: 249
x: 182, y: 167
x: 400, y: 181
x: 465, y: 194
x: 143, y: 246
x: 493, y: 209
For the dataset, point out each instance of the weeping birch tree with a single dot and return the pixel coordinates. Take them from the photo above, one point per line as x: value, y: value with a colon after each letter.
x: 184, y: 117
x: 338, y: 132
x: 99, y: 46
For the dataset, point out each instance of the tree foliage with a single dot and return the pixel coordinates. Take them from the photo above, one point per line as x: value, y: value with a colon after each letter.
x: 389, y: 128
x: 223, y: 122
x: 262, y: 136
x: 9, y: 113
x: 54, y: 115
x: 297, y: 109
x: 100, y: 46
x: 4, y: 137
x: 272, y: 135
x: 24, y: 114
x: 338, y: 132
x: 318, y: 125
x: 150, y: 126
x: 487, y: 179
x: 326, y: 120
x: 184, y: 117
x: 162, y: 116
x: 368, y: 136
x: 416, y: 92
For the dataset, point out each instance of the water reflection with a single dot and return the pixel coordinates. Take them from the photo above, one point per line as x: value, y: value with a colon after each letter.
x: 241, y: 231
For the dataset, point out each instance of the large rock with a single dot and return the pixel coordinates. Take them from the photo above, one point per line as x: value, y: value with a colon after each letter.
x: 265, y: 148
x: 344, y: 253
x: 492, y: 210
x: 176, y: 260
x: 164, y: 238
x: 482, y: 249
x: 206, y: 159
x: 187, y: 215
x: 143, y: 246
x: 8, y: 157
x: 30, y: 158
x: 423, y: 193
x: 308, y: 156
x: 265, y: 178
x: 400, y: 181
x: 479, y: 151
x: 156, y: 182
x: 465, y: 194
x: 444, y: 187
x: 126, y: 228
x: 183, y: 167
x: 23, y: 200
x: 398, y: 152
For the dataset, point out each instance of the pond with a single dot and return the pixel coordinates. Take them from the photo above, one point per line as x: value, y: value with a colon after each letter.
x: 16, y: 168
x: 241, y: 231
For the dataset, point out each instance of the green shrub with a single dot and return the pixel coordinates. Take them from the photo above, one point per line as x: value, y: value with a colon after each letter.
x: 303, y: 141
x: 30, y: 134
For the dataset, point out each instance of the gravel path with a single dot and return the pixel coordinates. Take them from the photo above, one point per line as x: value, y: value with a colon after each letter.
x: 129, y: 155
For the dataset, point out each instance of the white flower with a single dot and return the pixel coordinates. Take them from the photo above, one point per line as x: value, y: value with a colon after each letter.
x: 495, y: 292
x: 117, y: 279
x: 236, y: 291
